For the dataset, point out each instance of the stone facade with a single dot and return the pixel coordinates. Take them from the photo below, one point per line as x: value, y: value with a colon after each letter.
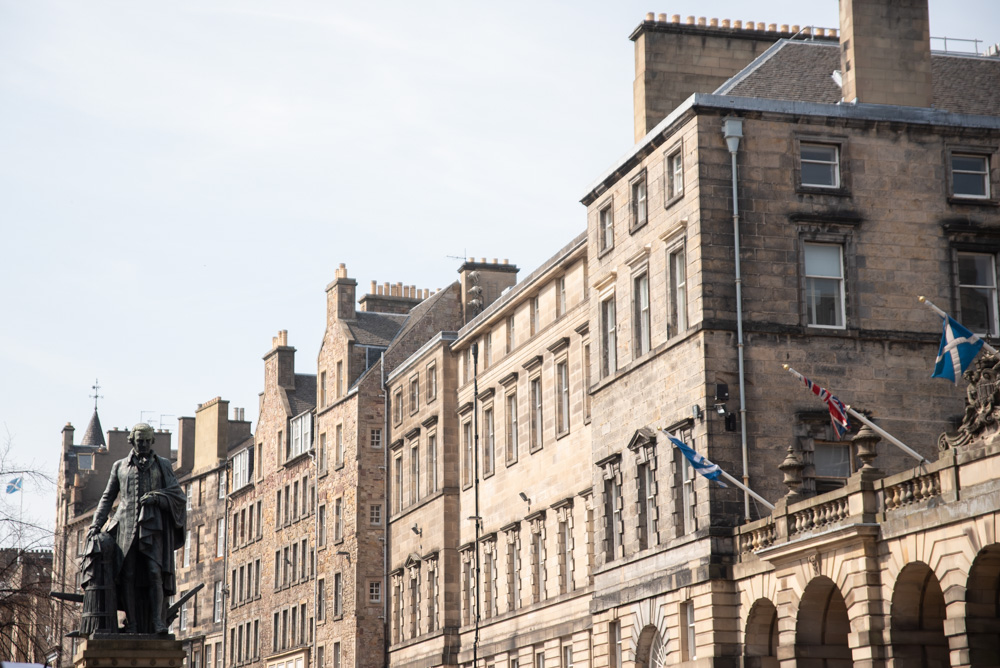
x: 495, y: 438
x: 479, y: 477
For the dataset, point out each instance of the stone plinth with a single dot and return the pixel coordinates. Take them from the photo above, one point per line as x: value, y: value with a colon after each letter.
x: 129, y: 651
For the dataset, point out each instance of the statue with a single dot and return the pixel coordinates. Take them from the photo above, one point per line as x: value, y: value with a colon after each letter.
x: 146, y: 528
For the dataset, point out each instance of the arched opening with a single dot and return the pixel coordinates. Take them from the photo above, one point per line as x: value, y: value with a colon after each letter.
x: 917, y: 619
x: 982, y: 608
x: 651, y: 650
x: 760, y: 646
x: 821, y: 627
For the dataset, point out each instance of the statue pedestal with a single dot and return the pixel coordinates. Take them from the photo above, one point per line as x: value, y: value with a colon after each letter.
x: 119, y: 650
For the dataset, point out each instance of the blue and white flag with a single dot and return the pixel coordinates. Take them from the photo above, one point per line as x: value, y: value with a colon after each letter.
x: 15, y: 485
x: 699, y: 463
x: 958, y: 348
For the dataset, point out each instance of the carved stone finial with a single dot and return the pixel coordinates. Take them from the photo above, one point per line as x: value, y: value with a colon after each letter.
x: 792, y: 467
x: 867, y: 441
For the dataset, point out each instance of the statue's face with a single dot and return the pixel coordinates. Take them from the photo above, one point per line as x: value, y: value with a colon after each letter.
x: 142, y: 438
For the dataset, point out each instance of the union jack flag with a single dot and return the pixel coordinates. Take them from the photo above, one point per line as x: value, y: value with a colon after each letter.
x: 838, y: 412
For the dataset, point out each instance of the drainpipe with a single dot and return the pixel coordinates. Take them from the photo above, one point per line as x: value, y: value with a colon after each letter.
x: 386, y: 514
x: 315, y: 523
x: 732, y: 129
x: 475, y: 478
x: 226, y: 594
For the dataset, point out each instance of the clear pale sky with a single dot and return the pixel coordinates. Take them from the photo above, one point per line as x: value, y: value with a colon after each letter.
x: 179, y: 180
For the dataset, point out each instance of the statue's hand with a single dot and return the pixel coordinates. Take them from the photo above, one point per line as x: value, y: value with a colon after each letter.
x: 93, y: 531
x: 148, y: 498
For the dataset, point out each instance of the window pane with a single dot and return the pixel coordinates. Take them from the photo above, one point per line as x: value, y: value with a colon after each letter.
x: 969, y: 184
x: 823, y: 260
x: 823, y: 297
x: 976, y: 269
x: 832, y: 460
x: 968, y: 163
x: 819, y: 153
x: 979, y: 310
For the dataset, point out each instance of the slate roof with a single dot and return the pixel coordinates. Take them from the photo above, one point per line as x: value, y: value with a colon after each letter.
x: 803, y: 72
x: 375, y: 329
x: 94, y: 434
x: 304, y: 397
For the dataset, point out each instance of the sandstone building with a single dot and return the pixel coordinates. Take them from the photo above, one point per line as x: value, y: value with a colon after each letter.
x: 25, y: 613
x: 478, y: 477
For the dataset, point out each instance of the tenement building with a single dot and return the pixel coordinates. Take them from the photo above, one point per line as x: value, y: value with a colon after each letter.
x: 480, y: 477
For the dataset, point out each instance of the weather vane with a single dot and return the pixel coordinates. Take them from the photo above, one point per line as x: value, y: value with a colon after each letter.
x: 95, y: 396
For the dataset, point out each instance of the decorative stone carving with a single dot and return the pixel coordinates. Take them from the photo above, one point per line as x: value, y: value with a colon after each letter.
x: 792, y: 467
x: 982, y: 403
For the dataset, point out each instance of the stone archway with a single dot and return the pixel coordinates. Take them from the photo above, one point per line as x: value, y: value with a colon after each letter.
x: 760, y: 645
x: 822, y: 626
x: 917, y: 619
x: 651, y: 648
x: 982, y: 608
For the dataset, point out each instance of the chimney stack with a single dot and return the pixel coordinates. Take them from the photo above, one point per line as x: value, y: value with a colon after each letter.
x: 885, y: 52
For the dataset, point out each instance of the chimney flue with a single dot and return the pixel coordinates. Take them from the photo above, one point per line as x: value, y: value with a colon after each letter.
x: 885, y: 54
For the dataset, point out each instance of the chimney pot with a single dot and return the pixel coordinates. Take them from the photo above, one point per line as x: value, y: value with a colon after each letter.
x: 772, y: 27
x: 482, y: 260
x: 373, y: 287
x: 714, y: 23
x: 737, y: 23
x: 725, y: 23
x: 505, y: 261
x: 749, y: 25
x: 661, y: 18
x: 649, y: 16
x: 690, y: 20
x: 701, y: 21
x: 676, y: 18
x: 784, y: 27
x: 494, y: 260
x: 807, y: 30
x: 795, y: 27
x: 760, y: 25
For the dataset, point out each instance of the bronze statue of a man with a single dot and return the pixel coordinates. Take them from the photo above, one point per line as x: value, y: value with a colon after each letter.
x: 147, y: 527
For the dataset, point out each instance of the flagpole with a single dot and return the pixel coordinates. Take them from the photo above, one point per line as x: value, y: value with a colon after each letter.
x: 770, y: 506
x: 924, y: 300
x: 882, y: 432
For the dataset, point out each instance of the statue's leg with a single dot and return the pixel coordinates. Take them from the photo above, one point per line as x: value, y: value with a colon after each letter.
x: 156, y: 597
x: 126, y: 592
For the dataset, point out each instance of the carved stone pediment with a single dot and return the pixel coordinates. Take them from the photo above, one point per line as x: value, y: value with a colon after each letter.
x: 982, y: 403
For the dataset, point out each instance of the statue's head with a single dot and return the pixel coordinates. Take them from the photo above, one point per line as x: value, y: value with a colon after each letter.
x: 141, y: 437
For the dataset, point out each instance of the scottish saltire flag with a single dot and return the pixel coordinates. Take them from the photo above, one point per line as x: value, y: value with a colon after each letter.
x: 838, y: 412
x: 958, y: 348
x: 15, y: 485
x: 700, y: 464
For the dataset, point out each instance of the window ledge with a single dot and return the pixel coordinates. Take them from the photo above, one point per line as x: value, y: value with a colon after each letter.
x: 839, y: 191
x: 638, y: 226
x: 673, y: 200
x: 973, y: 201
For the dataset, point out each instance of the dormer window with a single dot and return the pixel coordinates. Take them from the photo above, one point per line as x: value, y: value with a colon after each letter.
x: 85, y: 462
